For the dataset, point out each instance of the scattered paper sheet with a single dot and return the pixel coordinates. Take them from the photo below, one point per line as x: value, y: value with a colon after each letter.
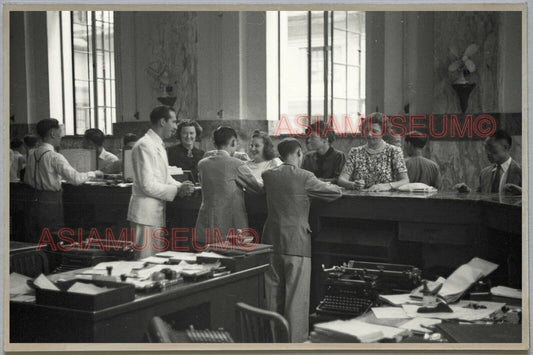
x: 87, y: 289
x: 18, y: 285
x: 504, y: 291
x: 43, y: 283
x: 464, y: 277
x: 154, y: 260
x: 178, y: 255
x: 365, y: 332
x: 212, y: 254
x: 460, y: 311
x: 400, y: 299
x: 174, y: 170
x: 389, y: 312
x: 416, y: 324
x: 118, y: 267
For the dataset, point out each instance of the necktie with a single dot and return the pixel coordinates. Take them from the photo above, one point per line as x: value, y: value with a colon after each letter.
x: 496, y: 179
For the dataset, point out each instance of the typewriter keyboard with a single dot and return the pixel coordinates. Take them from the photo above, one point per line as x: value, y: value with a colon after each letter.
x: 344, y: 304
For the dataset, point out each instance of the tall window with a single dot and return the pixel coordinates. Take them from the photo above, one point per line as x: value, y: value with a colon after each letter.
x: 321, y: 64
x: 82, y: 96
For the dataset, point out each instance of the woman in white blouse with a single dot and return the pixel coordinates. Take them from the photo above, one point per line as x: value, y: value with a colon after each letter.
x: 262, y: 154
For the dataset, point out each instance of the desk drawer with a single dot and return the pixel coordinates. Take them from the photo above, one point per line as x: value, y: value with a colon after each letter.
x: 435, y: 233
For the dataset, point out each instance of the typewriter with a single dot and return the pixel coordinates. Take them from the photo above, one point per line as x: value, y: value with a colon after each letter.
x: 354, y: 287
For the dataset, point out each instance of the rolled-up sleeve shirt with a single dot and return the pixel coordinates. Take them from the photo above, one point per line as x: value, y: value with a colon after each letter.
x: 45, y: 168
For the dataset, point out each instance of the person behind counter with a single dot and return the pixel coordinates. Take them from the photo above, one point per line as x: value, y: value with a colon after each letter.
x: 377, y: 165
x: 289, y: 190
x: 419, y: 168
x: 152, y: 183
x: 17, y: 159
x: 263, y: 154
x: 324, y: 161
x: 504, y: 175
x: 94, y: 139
x: 186, y: 155
x: 128, y: 141
x: 45, y: 169
x: 222, y: 178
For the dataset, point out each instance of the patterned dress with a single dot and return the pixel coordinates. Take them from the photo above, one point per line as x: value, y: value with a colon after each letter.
x: 378, y: 168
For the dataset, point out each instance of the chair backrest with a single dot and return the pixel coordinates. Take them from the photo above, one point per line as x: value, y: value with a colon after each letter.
x: 256, y: 325
x: 31, y: 263
x: 159, y: 331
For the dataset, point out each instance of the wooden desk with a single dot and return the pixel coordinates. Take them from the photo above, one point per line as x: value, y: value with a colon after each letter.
x: 444, y: 229
x: 205, y: 304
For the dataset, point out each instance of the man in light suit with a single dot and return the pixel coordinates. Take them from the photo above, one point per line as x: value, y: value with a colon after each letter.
x: 152, y: 183
x: 289, y: 190
x: 504, y: 175
x: 223, y: 178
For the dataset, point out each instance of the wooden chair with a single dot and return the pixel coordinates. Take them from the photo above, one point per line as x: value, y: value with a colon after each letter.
x: 30, y: 263
x: 159, y: 331
x: 256, y: 325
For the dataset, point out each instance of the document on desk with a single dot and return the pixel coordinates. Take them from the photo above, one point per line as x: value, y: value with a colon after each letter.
x: 389, y: 312
x: 504, y: 291
x: 419, y: 324
x: 44, y: 283
x: 363, y: 331
x: 18, y: 285
x: 400, y: 299
x: 464, y: 277
x: 86, y: 289
x: 463, y: 310
x: 154, y: 260
x: 117, y: 267
x: 178, y: 255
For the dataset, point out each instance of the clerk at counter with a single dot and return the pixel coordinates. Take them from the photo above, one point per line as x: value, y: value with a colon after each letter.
x: 377, y: 165
x: 94, y: 139
x: 45, y: 169
x: 186, y: 155
x: 504, y: 175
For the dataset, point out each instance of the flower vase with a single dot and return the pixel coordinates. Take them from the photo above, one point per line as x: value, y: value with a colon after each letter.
x: 463, y: 92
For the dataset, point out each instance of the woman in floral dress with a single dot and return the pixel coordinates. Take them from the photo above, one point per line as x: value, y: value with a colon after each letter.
x: 377, y: 165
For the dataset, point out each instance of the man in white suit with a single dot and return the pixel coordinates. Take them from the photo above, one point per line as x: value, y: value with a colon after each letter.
x: 152, y: 183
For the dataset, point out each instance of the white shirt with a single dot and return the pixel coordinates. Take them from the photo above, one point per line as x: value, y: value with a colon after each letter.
x: 46, y: 168
x: 106, y: 160
x: 258, y: 168
x: 505, y: 169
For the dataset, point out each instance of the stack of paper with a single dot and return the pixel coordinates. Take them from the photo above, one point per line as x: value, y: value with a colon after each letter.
x: 464, y: 277
x: 357, y: 330
x: 87, y: 289
x: 503, y: 291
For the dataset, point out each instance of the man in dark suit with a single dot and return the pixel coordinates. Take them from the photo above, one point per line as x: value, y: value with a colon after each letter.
x: 289, y: 190
x: 504, y: 175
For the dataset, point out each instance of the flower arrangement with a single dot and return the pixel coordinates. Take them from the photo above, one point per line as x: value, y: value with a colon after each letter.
x: 463, y: 66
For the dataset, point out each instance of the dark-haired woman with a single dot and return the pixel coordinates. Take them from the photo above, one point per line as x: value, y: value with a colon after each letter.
x: 186, y: 155
x: 263, y: 154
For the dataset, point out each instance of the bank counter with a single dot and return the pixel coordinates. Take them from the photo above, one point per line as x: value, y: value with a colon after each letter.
x: 434, y: 231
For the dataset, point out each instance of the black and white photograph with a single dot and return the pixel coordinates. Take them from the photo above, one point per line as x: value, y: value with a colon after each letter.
x: 320, y: 177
